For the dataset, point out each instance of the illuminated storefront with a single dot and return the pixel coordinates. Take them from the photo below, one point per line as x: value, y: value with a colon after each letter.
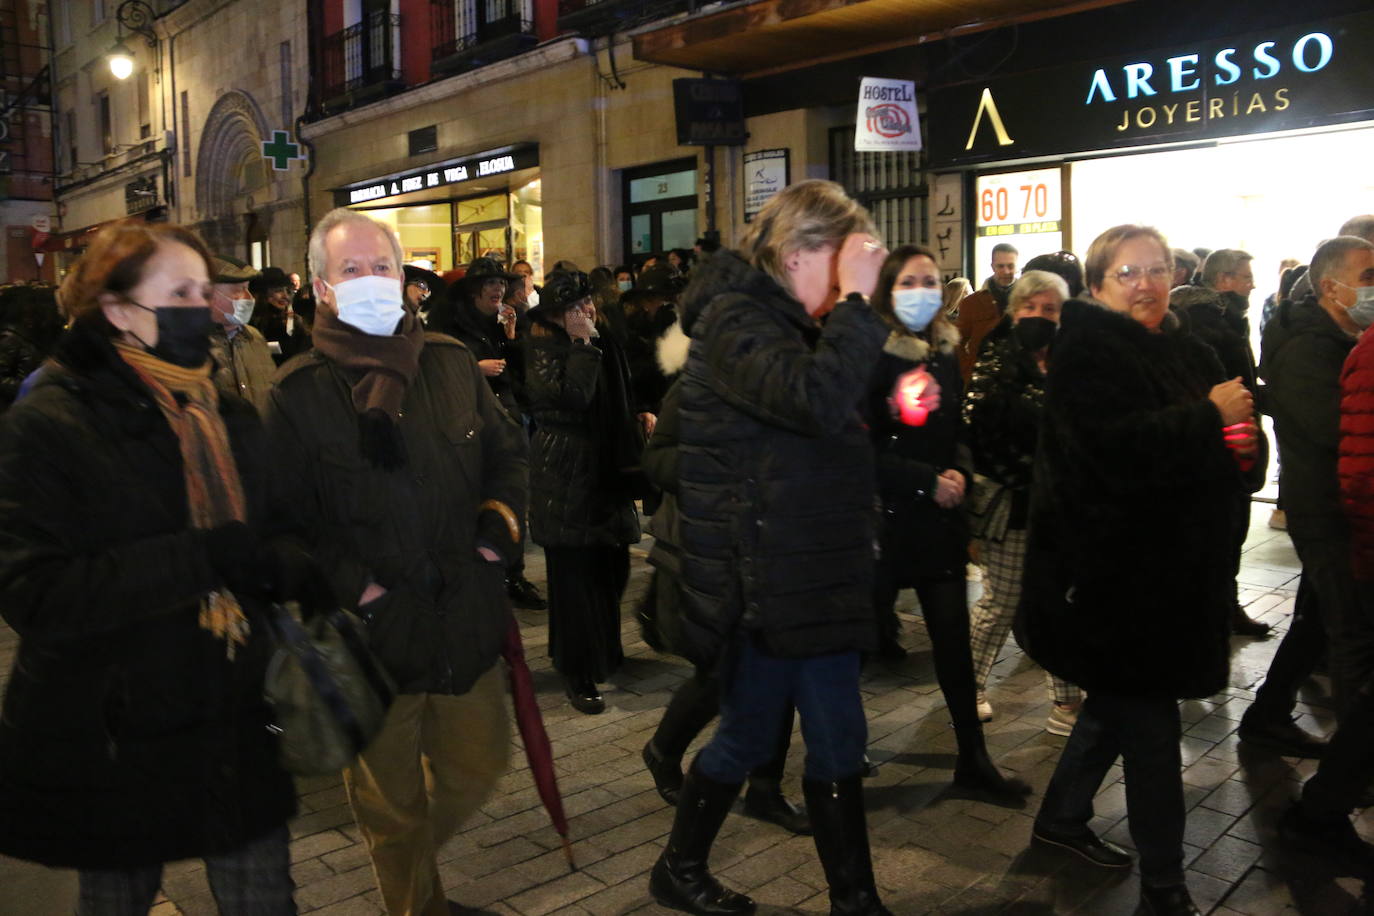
x: 1259, y: 141
x: 449, y: 212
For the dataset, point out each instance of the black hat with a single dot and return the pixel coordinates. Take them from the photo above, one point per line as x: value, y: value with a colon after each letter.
x: 660, y: 280
x: 1063, y: 263
x: 231, y: 270
x: 484, y: 269
x: 271, y: 278
x: 562, y: 290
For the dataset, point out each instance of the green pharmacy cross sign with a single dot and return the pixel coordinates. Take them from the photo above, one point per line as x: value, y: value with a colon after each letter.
x: 281, y: 150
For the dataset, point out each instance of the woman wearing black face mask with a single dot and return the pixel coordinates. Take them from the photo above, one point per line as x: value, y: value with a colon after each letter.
x: 131, y: 565
x: 1002, y: 414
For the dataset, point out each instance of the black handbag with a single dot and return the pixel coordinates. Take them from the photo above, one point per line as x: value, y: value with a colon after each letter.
x: 329, y: 694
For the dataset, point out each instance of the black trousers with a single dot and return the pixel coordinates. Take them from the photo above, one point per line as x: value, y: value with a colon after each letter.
x: 944, y: 605
x: 585, y: 588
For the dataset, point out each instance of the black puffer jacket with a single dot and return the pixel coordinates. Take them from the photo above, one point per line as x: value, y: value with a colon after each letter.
x: 1302, y: 353
x: 919, y: 540
x: 1128, y: 583
x: 776, y: 478
x: 581, y: 413
x: 1002, y: 411
x: 1218, y: 320
x: 414, y: 530
x: 128, y: 735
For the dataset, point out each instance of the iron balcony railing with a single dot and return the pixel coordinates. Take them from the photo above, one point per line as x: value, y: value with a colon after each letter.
x: 367, y: 53
x: 472, y: 32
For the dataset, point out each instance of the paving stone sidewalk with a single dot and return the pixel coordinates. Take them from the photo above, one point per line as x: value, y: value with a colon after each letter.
x: 934, y: 852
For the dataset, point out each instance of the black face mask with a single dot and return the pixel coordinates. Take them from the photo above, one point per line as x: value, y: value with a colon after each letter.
x: 183, y: 334
x: 1034, y: 333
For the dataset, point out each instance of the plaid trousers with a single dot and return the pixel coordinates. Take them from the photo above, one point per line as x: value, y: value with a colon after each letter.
x: 253, y: 880
x: 991, y: 618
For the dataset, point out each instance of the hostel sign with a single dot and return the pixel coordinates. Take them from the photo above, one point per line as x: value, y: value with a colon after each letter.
x: 1283, y: 79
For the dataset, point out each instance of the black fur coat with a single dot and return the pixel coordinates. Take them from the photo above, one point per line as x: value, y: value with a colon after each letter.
x: 1128, y: 580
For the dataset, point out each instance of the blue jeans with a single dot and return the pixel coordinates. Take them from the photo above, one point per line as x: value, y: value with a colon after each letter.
x: 1144, y: 732
x: 756, y: 694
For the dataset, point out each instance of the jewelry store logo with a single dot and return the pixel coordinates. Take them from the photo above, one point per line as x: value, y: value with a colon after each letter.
x: 1186, y: 89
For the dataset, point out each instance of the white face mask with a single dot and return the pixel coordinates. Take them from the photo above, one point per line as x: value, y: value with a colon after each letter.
x: 532, y: 299
x: 372, y: 304
x: 243, y: 310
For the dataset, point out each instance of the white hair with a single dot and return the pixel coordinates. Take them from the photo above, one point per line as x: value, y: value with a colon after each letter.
x: 1033, y: 282
x: 338, y: 217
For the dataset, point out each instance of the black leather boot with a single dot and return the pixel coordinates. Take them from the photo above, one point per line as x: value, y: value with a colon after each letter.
x: 765, y: 801
x: 975, y: 771
x: 666, y: 771
x: 680, y: 879
x: 1166, y: 901
x: 841, y: 835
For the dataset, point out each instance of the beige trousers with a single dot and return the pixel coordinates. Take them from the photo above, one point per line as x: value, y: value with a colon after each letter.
x: 433, y: 764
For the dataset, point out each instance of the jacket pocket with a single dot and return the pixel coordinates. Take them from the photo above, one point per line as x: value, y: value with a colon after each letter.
x: 348, y: 488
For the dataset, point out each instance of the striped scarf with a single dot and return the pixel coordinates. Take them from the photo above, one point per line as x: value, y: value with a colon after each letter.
x: 214, y: 494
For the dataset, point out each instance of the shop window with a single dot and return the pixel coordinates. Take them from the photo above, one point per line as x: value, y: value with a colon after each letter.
x: 425, y: 232
x: 482, y: 229
x: 527, y: 227
x: 887, y: 184
x: 660, y: 207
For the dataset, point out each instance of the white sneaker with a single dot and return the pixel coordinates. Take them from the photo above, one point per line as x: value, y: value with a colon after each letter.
x: 984, y: 708
x: 1062, y: 720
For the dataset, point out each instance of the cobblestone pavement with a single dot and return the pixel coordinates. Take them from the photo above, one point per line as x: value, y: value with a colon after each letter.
x: 934, y: 852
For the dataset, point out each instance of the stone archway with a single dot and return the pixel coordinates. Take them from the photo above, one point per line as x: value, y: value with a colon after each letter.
x: 232, y: 137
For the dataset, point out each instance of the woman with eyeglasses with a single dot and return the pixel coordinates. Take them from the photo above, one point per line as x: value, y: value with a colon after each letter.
x: 923, y: 470
x: 1127, y: 588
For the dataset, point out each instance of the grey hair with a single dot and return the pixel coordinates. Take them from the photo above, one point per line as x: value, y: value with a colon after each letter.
x: 1331, y: 254
x: 802, y: 217
x: 1185, y: 258
x: 318, y: 257
x: 1032, y: 283
x: 1360, y: 227
x: 1222, y: 261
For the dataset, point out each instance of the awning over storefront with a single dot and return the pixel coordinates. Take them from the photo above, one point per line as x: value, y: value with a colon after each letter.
x: 770, y: 36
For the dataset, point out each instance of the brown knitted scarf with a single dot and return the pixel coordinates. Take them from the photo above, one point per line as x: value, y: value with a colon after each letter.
x: 388, y: 364
x: 214, y: 493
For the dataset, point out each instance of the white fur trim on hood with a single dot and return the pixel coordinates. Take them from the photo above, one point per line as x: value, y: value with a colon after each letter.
x: 672, y: 349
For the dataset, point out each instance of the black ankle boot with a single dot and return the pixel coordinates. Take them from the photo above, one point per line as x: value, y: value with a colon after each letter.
x: 666, y: 771
x: 841, y: 835
x: 1166, y: 901
x: 975, y: 771
x: 680, y: 879
x: 765, y: 801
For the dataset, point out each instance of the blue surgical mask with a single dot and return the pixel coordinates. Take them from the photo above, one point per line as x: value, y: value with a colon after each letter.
x: 625, y: 285
x: 243, y: 310
x: 1362, y: 312
x: 916, y: 308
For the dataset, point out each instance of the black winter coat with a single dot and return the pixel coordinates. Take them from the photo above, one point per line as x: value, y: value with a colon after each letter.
x: 1217, y: 320
x: 1002, y: 411
x: 584, y: 433
x: 648, y: 380
x: 414, y: 530
x: 1302, y: 352
x: 483, y: 335
x: 918, y: 539
x: 1129, y: 568
x: 19, y: 356
x: 776, y: 480
x: 128, y: 736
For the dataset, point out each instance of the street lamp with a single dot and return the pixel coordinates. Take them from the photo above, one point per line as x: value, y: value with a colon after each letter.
x: 136, y: 16
x: 121, y: 60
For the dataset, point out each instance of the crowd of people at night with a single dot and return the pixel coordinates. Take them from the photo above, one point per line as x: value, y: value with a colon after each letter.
x: 804, y: 425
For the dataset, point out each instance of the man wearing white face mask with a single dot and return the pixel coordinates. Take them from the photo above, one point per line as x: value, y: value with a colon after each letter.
x: 243, y: 365
x: 410, y: 481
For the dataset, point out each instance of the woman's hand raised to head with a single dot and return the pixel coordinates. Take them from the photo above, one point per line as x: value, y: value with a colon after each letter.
x: 860, y: 258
